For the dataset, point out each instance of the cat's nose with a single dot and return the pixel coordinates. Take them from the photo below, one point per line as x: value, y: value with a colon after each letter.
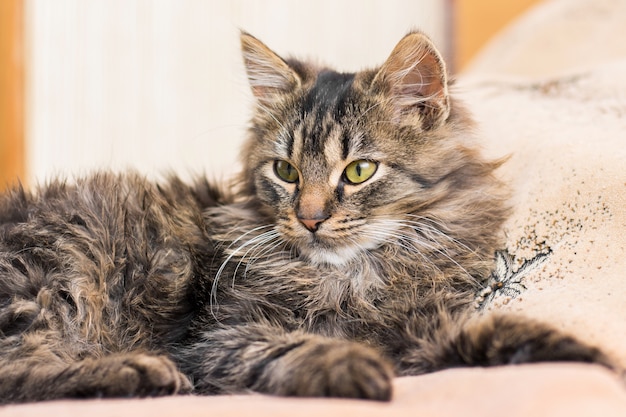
x: 312, y: 224
x: 312, y: 207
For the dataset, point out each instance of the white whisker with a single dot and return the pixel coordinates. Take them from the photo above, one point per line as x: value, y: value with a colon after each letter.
x: 266, y: 247
x: 430, y: 238
x: 386, y: 236
x: 370, y: 108
x: 247, y: 247
x: 259, y: 243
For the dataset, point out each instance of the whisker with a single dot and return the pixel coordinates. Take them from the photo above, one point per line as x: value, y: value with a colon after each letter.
x: 270, y: 113
x: 254, y: 242
x: 384, y: 235
x: 438, y: 231
x: 370, y: 108
x: 393, y: 228
x: 262, y: 240
x: 241, y: 237
x: 266, y: 247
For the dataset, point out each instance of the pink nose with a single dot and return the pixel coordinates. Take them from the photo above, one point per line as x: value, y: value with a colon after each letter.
x: 312, y: 224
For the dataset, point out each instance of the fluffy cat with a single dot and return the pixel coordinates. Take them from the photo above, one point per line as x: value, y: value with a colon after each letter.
x: 350, y: 250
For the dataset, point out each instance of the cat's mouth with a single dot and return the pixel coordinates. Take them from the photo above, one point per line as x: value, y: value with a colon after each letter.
x: 326, y: 255
x: 336, y: 243
x: 337, y: 251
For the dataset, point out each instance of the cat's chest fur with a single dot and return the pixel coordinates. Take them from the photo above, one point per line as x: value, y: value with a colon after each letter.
x: 375, y: 290
x: 326, y: 299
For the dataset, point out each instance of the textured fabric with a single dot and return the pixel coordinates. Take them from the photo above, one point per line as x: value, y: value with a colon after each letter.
x: 566, y: 137
x: 567, y: 141
x: 532, y: 390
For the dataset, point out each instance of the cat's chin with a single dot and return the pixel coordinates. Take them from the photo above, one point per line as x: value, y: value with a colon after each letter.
x: 335, y: 256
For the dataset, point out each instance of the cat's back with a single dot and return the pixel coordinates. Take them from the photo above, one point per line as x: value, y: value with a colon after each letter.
x: 101, y: 253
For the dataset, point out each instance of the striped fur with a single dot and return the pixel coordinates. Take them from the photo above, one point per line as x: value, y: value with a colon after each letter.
x: 306, y: 283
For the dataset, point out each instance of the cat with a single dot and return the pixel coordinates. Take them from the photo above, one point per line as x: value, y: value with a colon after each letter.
x: 349, y: 250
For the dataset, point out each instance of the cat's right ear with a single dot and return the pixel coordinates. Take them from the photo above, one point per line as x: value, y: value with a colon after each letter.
x: 268, y: 74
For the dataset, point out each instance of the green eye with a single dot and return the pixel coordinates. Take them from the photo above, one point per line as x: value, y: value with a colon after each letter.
x: 359, y: 171
x: 285, y: 171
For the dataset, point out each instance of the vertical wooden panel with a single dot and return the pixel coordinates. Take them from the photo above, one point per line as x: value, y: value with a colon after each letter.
x: 159, y: 85
x: 479, y: 20
x: 11, y: 92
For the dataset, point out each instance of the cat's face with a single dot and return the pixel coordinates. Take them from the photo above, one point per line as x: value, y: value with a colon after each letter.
x: 345, y: 162
x: 329, y: 184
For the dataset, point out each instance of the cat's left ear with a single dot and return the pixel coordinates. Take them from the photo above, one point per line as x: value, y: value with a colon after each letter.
x: 415, y: 79
x: 269, y: 75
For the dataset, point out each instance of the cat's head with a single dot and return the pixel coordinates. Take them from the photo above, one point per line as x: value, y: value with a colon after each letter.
x: 346, y: 162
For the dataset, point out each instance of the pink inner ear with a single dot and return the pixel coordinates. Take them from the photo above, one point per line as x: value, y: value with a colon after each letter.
x: 415, y: 77
x: 424, y: 79
x: 415, y: 70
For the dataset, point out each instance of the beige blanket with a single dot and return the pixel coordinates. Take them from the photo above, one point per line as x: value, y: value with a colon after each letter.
x: 525, y: 391
x: 565, y: 258
x: 566, y: 134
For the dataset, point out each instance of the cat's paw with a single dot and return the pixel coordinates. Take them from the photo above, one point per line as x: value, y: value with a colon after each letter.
x: 498, y: 339
x: 132, y: 375
x: 509, y: 339
x: 332, y: 369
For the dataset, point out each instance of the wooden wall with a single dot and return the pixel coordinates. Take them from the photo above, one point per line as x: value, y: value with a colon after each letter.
x: 475, y: 22
x: 478, y: 20
x: 159, y: 86
x: 11, y: 91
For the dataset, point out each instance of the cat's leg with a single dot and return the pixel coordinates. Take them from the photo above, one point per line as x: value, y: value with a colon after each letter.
x: 269, y: 360
x: 494, y: 340
x: 43, y: 377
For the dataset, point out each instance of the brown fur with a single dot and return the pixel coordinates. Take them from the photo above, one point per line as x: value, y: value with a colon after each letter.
x: 316, y: 286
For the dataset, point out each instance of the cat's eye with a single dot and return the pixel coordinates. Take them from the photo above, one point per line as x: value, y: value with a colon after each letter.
x: 359, y: 171
x: 285, y: 171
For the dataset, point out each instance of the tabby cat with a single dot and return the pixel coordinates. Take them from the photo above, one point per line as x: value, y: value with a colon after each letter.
x: 349, y: 250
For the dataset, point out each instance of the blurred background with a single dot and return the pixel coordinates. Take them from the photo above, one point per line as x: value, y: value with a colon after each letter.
x: 159, y: 86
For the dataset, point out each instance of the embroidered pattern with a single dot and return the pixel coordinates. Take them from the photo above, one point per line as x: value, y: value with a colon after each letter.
x: 506, y: 280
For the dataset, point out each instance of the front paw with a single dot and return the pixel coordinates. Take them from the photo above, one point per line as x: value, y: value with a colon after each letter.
x: 509, y: 339
x: 130, y: 375
x: 329, y: 369
x: 499, y: 339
